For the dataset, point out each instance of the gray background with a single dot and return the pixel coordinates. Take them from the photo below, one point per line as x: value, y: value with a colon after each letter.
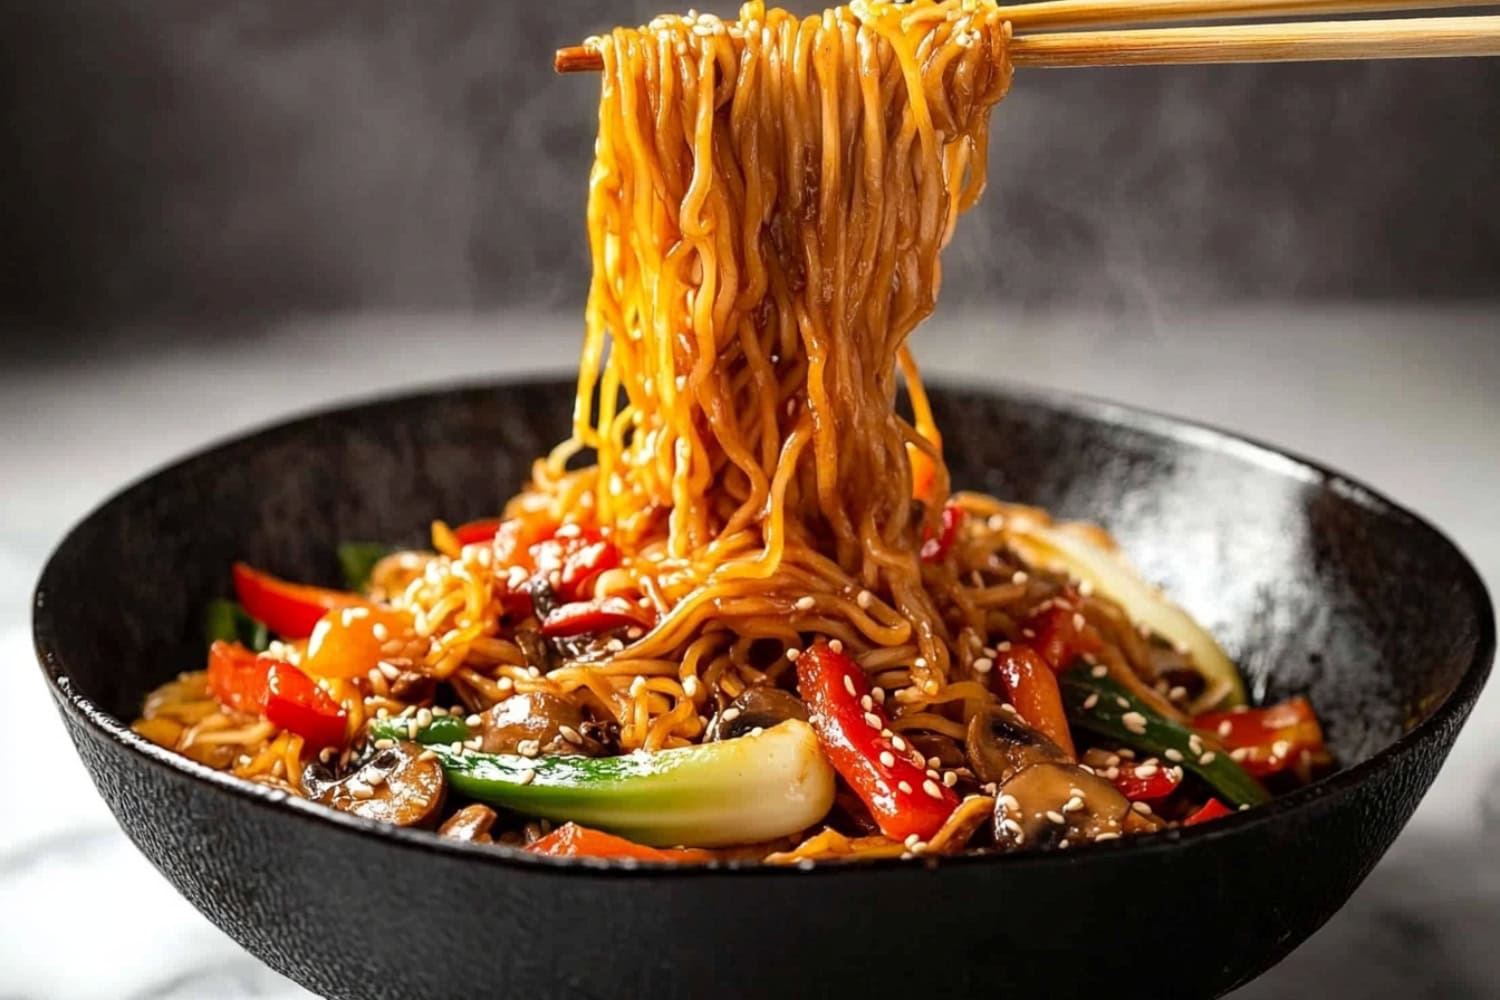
x: 215, y: 213
x: 232, y: 160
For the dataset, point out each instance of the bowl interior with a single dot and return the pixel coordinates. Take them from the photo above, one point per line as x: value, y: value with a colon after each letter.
x: 1314, y: 584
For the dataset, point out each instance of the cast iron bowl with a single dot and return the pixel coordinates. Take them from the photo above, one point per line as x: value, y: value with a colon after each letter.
x: 1314, y: 583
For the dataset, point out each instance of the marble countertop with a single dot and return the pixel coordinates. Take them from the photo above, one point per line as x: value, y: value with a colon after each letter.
x: 1403, y: 397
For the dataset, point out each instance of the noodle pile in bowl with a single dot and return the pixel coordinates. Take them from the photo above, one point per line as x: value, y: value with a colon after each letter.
x: 766, y: 213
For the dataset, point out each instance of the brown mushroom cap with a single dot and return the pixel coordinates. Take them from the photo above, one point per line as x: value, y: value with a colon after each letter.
x: 537, y: 723
x: 1056, y: 804
x: 756, y: 708
x: 1000, y: 746
x: 400, y: 785
x: 471, y: 823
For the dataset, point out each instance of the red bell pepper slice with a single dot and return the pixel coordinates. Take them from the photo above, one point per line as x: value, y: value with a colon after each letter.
x: 573, y: 841
x: 275, y: 689
x: 890, y: 778
x: 1268, y: 740
x: 291, y: 610
x: 515, y: 537
x: 1212, y: 809
x: 294, y: 702
x: 1030, y: 685
x: 1059, y: 633
x: 582, y: 566
x: 237, y: 677
x: 1158, y: 786
x: 476, y: 532
x: 935, y: 547
x: 591, y: 617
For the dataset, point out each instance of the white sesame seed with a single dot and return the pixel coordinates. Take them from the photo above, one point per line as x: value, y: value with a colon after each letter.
x: 380, y: 632
x: 836, y: 645
x: 474, y: 720
x: 1208, y: 758
x: 1280, y: 748
x: 1056, y: 817
x: 438, y: 711
x: 904, y: 786
x: 912, y: 840
x: 1106, y: 835
x: 1141, y: 807
x: 1010, y: 802
x: 983, y: 665
x: 932, y: 788
x: 388, y: 670
x: 1225, y: 728
x: 424, y: 718
x: 864, y: 599
x: 792, y: 654
x: 898, y: 743
x: 878, y: 694
x: 359, y: 789
x: 1079, y: 621
x: 849, y: 685
x: 1121, y: 701
x: 729, y: 714
x: 887, y: 758
x: 525, y: 777
x: 1174, y: 755
x: 1073, y: 804
x: 384, y: 744
x: 1134, y: 721
x: 1125, y: 753
x: 867, y: 703
x: 1239, y: 753
x: 1019, y: 576
x: 1195, y: 743
x: 1100, y: 671
x: 1146, y: 771
x: 805, y: 604
x: 950, y: 778
x: 1177, y: 693
x: 1091, y: 700
x: 873, y: 721
x: 426, y: 755
x: 691, y: 687
x: 934, y: 762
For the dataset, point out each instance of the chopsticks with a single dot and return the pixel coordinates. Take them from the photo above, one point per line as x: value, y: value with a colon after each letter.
x: 1296, y: 41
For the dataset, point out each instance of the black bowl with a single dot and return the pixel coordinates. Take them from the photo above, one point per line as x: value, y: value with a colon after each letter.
x: 1316, y: 584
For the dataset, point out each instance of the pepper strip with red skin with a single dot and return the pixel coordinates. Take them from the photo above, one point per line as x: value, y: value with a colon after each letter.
x: 1212, y: 809
x: 573, y: 841
x: 592, y: 617
x: 1160, y: 785
x: 290, y: 610
x: 855, y: 735
x: 1255, y: 733
x: 1059, y: 632
x: 934, y: 548
x: 475, y: 532
x: 1030, y: 686
x: 276, y: 690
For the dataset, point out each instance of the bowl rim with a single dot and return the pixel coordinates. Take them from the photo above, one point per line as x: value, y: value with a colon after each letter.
x: 1453, y: 709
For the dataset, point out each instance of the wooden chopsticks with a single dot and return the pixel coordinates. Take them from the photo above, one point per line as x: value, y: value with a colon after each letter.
x: 1388, y: 38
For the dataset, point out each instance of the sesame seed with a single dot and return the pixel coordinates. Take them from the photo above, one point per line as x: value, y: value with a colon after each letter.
x: 864, y: 599
x: 1225, y: 728
x: 898, y: 743
x: 1281, y: 748
x: 570, y: 734
x: 525, y: 777
x: 1208, y: 758
x: 1085, y: 588
x: 1056, y: 817
x: 1126, y: 753
x: 1079, y: 621
x: 836, y: 645
x: 389, y: 670
x: 1141, y: 807
x: 1239, y: 753
x: 1019, y: 576
x: 1120, y: 701
x: 904, y: 786
x: 878, y: 694
x: 1195, y: 744
x: 920, y: 663
x: 438, y: 711
x: 1091, y: 700
x: 1146, y: 771
x: 934, y: 762
x: 849, y: 685
x: 887, y: 758
x: 805, y: 604
x: 1134, y: 721
x: 474, y: 720
x: 384, y: 744
x: 1072, y: 805
x: 380, y: 632
x: 359, y: 789
x: 950, y: 778
x: 412, y: 729
x: 873, y: 721
x: 426, y: 755
x: 932, y: 788
x: 867, y: 703
x: 912, y: 840
x: 1174, y: 755
x: 1100, y: 671
x: 424, y: 718
x: 729, y: 714
x: 932, y: 773
x: 984, y: 665
x: 1177, y: 693
x: 1106, y: 835
x: 1010, y: 802
x: 792, y: 654
x: 691, y: 687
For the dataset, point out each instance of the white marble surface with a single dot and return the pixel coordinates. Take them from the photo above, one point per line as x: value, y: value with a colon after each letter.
x: 1405, y: 398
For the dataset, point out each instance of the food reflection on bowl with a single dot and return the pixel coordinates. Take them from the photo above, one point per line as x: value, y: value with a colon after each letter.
x: 1315, y: 585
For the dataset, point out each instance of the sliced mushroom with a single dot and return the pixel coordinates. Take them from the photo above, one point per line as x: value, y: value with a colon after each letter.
x: 400, y: 785
x: 538, y: 723
x: 1000, y: 746
x: 1056, y: 805
x: 756, y: 708
x: 471, y: 823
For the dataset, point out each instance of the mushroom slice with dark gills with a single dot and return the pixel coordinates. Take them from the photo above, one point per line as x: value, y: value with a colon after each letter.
x: 402, y: 785
x: 1057, y: 805
x: 1000, y: 746
x: 756, y: 708
x: 535, y: 724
